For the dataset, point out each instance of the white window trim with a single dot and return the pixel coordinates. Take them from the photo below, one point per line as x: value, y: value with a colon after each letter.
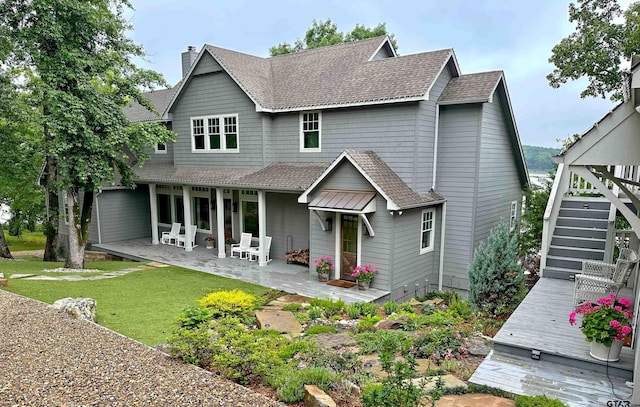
x: 429, y: 248
x: 157, y: 151
x: 513, y: 216
x: 172, y: 192
x: 223, y: 141
x: 311, y: 150
x: 243, y: 197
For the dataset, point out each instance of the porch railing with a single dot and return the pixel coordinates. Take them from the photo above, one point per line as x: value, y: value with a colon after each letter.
x: 579, y: 186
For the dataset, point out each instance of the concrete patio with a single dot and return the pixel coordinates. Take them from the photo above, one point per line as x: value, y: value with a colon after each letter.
x: 278, y: 275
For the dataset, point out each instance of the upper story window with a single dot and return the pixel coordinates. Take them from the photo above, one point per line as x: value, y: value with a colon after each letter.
x: 310, y: 131
x: 426, y: 231
x: 214, y: 133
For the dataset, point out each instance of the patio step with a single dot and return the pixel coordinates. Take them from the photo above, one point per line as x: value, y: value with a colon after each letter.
x: 572, y: 385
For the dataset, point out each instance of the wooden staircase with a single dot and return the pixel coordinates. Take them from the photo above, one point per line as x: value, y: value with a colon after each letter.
x: 580, y: 233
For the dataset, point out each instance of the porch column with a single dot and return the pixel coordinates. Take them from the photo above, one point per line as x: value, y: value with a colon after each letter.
x: 153, y: 208
x: 262, y: 227
x: 186, y: 197
x: 220, y: 223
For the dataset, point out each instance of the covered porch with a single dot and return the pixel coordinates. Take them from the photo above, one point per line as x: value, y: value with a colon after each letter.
x: 278, y: 275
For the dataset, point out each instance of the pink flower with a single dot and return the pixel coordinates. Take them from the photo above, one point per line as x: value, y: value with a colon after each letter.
x: 626, y: 330
x: 625, y: 302
x: 614, y: 323
x: 572, y: 318
x: 618, y: 308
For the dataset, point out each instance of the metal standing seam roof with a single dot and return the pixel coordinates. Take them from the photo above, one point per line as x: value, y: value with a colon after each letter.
x: 332, y: 76
x: 343, y: 200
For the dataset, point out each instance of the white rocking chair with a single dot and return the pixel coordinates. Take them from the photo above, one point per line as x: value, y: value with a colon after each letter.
x: 242, y: 247
x: 172, y: 236
x: 191, y: 233
x: 254, y: 252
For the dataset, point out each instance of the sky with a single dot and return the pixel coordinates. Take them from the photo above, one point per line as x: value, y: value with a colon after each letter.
x: 515, y: 36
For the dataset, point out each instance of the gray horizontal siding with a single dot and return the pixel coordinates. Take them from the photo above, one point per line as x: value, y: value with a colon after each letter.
x: 286, y: 217
x: 206, y: 65
x: 217, y: 94
x: 409, y: 266
x: 388, y: 130
x: 376, y: 250
x: 498, y: 181
x: 456, y: 180
x: 124, y: 214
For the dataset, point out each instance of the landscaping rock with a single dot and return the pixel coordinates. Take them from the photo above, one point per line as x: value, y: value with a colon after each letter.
x: 320, y: 321
x: 80, y: 308
x: 449, y: 381
x: 315, y: 397
x: 397, y: 323
x: 288, y: 300
x: 282, y: 321
x: 472, y: 400
x: 347, y: 324
x: 334, y: 341
x: 435, y: 301
x: 479, y: 345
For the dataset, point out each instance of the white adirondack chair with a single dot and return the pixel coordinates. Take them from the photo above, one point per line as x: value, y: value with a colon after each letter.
x: 172, y: 236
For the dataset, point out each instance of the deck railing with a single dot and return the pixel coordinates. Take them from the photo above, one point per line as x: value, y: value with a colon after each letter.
x: 579, y: 186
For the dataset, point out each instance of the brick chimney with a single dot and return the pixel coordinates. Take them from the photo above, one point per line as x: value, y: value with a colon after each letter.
x: 188, y: 58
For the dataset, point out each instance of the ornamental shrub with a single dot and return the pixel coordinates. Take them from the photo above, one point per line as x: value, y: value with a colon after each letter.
x: 320, y: 329
x: 538, y: 401
x: 354, y: 310
x: 496, y: 277
x: 193, y: 317
x: 330, y: 307
x: 291, y: 386
x: 390, y: 307
x: 228, y: 303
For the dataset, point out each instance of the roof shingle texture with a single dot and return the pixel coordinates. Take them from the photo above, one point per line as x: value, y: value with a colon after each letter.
x: 332, y: 76
x: 160, y: 99
x: 392, y: 185
x: 471, y: 88
x: 282, y: 176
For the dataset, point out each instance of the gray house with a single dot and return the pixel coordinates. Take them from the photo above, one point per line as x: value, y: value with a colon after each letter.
x: 350, y: 151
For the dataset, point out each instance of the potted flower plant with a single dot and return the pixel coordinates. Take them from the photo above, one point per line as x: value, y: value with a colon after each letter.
x: 605, y: 325
x: 324, y: 266
x: 364, y: 275
x: 209, y: 241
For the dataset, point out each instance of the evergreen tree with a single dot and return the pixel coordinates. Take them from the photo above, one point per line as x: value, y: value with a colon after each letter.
x: 496, y: 276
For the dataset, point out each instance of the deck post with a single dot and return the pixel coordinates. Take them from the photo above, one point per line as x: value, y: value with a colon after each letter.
x: 153, y: 208
x: 186, y: 196
x: 262, y: 228
x: 220, y: 223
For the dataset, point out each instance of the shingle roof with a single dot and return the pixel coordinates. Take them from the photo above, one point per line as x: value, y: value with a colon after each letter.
x: 279, y: 176
x: 471, y: 88
x: 389, y: 182
x: 332, y: 76
x: 160, y: 99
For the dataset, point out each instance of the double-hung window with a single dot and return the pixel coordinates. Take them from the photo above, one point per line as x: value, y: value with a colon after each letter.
x: 427, y: 230
x: 215, y: 133
x: 513, y: 216
x: 310, y: 131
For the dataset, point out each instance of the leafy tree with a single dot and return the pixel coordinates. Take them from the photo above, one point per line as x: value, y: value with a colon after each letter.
x: 597, y: 47
x: 81, y: 82
x: 323, y: 33
x: 532, y: 217
x: 496, y: 277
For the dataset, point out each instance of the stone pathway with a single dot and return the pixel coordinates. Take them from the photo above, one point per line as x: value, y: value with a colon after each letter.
x: 109, y: 274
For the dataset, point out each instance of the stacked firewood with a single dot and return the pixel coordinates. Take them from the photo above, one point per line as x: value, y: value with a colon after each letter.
x: 300, y: 256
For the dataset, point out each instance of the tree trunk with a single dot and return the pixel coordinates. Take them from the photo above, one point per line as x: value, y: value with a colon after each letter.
x: 79, y: 219
x: 53, y: 212
x: 4, y: 246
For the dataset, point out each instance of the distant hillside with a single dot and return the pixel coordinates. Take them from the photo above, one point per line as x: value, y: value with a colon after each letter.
x: 539, y: 158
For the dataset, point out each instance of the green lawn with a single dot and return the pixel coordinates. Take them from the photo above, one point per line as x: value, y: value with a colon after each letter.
x: 142, y: 305
x: 28, y: 241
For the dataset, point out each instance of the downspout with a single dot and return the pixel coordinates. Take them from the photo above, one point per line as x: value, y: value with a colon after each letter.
x: 442, y: 236
x: 98, y: 215
x: 435, y: 147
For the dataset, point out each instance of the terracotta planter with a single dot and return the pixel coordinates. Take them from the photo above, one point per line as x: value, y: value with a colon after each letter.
x: 606, y: 353
x: 323, y: 277
x: 363, y: 285
x: 4, y: 282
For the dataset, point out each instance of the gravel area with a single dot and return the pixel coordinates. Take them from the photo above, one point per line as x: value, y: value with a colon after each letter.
x: 49, y: 359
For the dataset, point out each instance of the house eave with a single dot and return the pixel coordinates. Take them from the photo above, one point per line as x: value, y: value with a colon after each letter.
x: 417, y: 98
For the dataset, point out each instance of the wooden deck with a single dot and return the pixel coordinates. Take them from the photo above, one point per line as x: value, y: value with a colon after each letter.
x: 541, y: 323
